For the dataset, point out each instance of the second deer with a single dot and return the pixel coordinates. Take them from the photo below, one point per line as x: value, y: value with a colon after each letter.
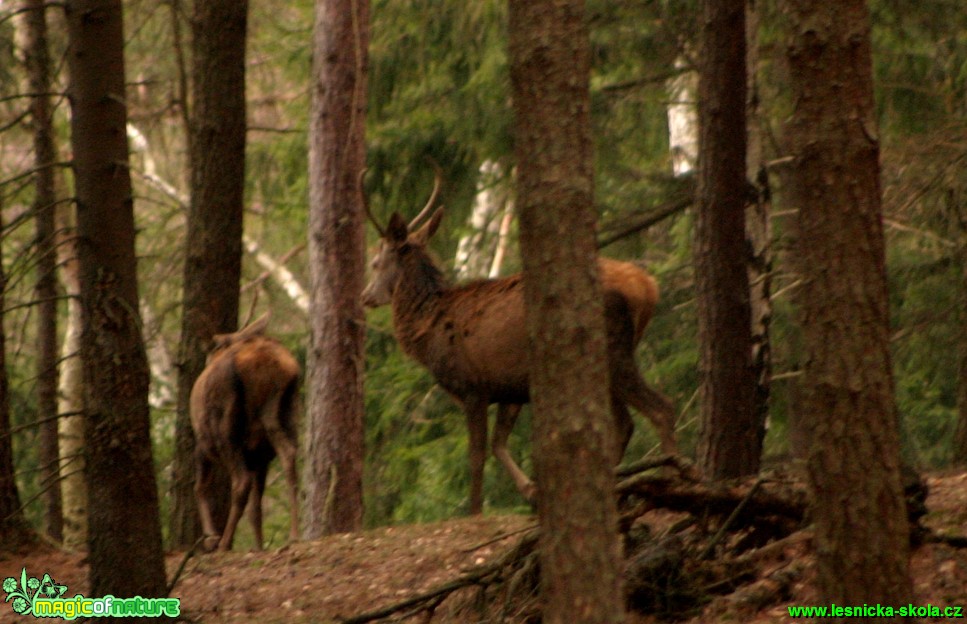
x: 243, y: 415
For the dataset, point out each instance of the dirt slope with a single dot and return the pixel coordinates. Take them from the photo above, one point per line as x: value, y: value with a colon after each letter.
x: 324, y: 580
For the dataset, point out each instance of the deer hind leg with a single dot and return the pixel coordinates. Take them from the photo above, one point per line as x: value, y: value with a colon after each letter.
x: 280, y: 430
x: 285, y: 447
x: 627, y: 385
x: 623, y: 428
x: 204, y: 475
x: 255, y: 502
x: 506, y: 419
x: 242, y: 479
x: 655, y: 407
x: 476, y: 410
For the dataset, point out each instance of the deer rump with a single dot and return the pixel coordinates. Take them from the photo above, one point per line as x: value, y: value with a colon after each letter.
x: 243, y: 415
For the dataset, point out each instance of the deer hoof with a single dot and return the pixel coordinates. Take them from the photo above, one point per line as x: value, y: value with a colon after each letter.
x: 210, y: 543
x: 529, y: 490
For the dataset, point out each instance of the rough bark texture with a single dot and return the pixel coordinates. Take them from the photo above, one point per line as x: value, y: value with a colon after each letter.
x: 334, y: 363
x: 37, y: 64
x: 958, y: 215
x: 13, y: 527
x: 213, y: 252
x: 959, y: 450
x: 730, y: 442
x: 847, y: 403
x: 125, y: 533
x: 579, y: 551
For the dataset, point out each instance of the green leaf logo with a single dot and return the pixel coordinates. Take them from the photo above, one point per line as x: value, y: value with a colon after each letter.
x: 24, y: 593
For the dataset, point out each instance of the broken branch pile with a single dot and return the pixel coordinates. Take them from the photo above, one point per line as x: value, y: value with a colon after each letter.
x: 690, y: 547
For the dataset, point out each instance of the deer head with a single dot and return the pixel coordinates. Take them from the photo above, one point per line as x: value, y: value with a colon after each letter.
x: 397, y: 239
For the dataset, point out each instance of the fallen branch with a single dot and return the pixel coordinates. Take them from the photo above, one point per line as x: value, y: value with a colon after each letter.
x: 429, y: 600
x: 476, y: 577
x: 768, y: 498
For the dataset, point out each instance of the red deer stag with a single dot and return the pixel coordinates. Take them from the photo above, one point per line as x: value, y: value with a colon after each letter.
x: 243, y: 414
x: 473, y: 339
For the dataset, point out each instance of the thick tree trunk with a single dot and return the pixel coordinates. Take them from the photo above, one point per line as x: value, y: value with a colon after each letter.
x: 730, y: 442
x: 847, y: 403
x: 579, y: 549
x: 213, y: 252
x: 125, y: 532
x: 334, y: 362
x: 34, y: 45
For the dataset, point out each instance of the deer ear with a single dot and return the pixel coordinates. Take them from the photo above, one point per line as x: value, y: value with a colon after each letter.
x: 429, y: 229
x: 397, y: 230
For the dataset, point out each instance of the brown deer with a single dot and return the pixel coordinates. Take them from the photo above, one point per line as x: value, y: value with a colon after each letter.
x: 243, y: 415
x: 473, y: 339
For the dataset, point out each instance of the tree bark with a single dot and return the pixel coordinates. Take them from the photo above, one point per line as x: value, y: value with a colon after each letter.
x: 758, y: 229
x: 37, y: 63
x: 334, y: 363
x: 14, y: 530
x: 847, y: 403
x: 730, y: 439
x: 213, y: 252
x: 125, y: 532
x: 957, y: 212
x: 573, y: 437
x: 70, y: 391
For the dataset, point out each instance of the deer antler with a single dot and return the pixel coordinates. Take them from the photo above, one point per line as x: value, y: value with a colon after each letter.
x: 437, y: 183
x: 365, y: 201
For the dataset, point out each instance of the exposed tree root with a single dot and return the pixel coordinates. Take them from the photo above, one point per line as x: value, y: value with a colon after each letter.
x: 737, y: 547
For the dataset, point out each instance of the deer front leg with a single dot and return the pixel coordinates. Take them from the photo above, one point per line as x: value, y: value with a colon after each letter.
x: 506, y: 419
x: 476, y: 410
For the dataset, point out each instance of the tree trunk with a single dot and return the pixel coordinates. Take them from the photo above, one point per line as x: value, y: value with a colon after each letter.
x: 730, y: 440
x: 847, y: 390
x: 573, y: 437
x: 70, y: 391
x: 14, y: 530
x: 477, y: 250
x: 758, y: 229
x: 34, y: 45
x: 682, y: 120
x: 957, y: 213
x: 959, y: 450
x: 334, y: 362
x: 213, y: 252
x: 125, y: 532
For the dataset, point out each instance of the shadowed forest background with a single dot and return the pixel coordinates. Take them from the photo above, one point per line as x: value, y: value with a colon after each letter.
x: 438, y: 90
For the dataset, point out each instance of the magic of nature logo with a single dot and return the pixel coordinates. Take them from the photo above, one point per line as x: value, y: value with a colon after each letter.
x: 44, y: 598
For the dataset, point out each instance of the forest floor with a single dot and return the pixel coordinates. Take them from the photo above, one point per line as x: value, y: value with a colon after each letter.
x: 340, y: 576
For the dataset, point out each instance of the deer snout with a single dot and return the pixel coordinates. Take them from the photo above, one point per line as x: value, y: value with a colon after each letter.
x: 367, y: 298
x: 374, y: 296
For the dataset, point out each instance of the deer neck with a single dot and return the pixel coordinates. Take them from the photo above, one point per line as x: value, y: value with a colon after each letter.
x: 416, y: 302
